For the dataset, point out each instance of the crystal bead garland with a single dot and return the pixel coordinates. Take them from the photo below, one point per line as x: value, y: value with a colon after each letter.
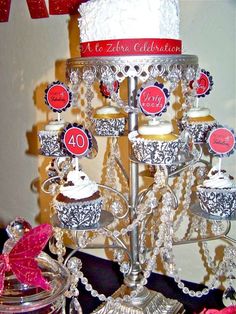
x: 74, y: 264
x: 229, y: 296
x: 89, y: 76
x: 112, y: 173
x: 143, y: 209
x: 75, y: 80
x: 226, y: 265
x: 110, y: 177
x: 60, y: 247
x: 164, y: 237
x: 189, y: 181
x: 206, y: 252
x: 189, y: 95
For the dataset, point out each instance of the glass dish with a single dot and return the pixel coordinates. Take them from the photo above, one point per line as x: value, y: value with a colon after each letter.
x: 21, y: 298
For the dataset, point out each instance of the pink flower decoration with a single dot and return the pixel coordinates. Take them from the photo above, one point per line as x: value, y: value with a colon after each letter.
x: 21, y: 259
x: 227, y: 310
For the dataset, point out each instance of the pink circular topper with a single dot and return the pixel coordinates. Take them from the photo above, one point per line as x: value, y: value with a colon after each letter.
x: 203, y: 84
x: 76, y: 141
x: 58, y: 97
x: 221, y: 141
x: 152, y: 100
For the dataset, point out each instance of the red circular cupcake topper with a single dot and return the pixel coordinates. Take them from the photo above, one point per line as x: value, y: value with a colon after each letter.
x: 105, y: 90
x: 58, y: 96
x: 76, y: 141
x: 204, y: 84
x: 153, y: 99
x: 221, y: 141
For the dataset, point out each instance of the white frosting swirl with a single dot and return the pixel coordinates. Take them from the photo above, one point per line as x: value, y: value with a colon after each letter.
x: 82, y: 186
x: 218, y: 179
x: 198, y: 112
x: 113, y: 19
x: 155, y: 128
x: 55, y: 125
x: 108, y: 110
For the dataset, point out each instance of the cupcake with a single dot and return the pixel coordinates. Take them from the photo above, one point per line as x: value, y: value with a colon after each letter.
x: 217, y: 194
x: 199, y: 123
x: 109, y: 121
x: 155, y: 143
x: 78, y: 202
x: 50, y: 139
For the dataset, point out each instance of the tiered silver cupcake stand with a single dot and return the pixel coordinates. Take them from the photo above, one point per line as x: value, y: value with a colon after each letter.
x: 150, y: 232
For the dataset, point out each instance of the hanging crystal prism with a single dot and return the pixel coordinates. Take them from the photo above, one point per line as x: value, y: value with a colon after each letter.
x: 75, y: 307
x: 229, y: 296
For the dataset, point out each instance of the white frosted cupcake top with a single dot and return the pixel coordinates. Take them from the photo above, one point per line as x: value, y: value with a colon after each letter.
x: 78, y: 186
x: 108, y: 110
x: 198, y: 112
x: 154, y: 127
x: 55, y: 125
x: 218, y: 179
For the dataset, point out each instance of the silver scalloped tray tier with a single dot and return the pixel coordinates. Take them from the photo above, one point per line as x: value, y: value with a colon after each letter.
x: 136, y: 66
x: 144, y: 60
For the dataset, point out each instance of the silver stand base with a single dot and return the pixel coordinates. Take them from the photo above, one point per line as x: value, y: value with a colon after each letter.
x: 149, y: 302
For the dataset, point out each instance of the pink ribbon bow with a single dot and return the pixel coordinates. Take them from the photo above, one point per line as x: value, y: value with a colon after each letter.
x: 21, y: 259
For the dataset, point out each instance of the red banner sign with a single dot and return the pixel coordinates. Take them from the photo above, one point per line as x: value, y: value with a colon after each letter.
x: 130, y: 47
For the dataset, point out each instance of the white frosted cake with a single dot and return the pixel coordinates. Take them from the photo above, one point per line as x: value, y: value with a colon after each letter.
x: 129, y: 27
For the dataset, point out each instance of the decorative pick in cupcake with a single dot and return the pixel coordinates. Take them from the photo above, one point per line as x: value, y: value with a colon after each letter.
x: 58, y: 96
x: 79, y: 141
x: 198, y: 120
x: 105, y: 89
x: 217, y: 194
x: 153, y: 98
x: 221, y: 142
x: 203, y: 84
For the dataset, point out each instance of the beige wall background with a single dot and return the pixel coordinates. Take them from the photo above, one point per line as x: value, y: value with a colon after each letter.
x: 32, y: 54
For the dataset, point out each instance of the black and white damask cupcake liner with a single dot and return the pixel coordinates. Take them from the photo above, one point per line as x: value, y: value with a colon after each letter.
x: 50, y: 144
x: 153, y: 151
x: 198, y: 130
x: 79, y: 214
x: 217, y: 202
x: 109, y: 127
